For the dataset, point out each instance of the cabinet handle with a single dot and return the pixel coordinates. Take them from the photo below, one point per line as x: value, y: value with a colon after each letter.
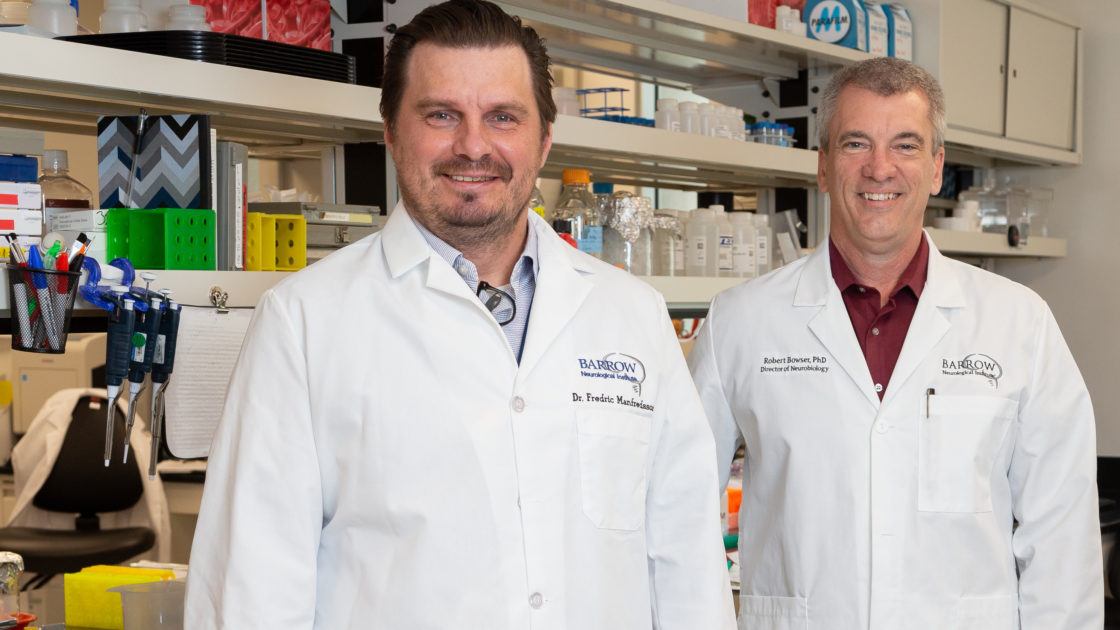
x: 1014, y: 73
x: 1001, y: 68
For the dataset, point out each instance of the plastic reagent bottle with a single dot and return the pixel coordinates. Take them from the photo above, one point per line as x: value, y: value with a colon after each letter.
x: 578, y: 204
x: 701, y: 244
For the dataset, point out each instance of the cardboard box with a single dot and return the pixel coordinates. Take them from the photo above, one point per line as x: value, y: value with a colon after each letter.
x: 21, y: 195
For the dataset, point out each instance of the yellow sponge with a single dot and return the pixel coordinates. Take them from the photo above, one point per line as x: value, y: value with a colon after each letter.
x: 88, y: 602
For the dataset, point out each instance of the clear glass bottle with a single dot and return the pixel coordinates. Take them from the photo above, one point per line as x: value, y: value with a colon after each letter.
x: 725, y: 267
x: 668, y: 244
x: 627, y: 239
x: 61, y: 193
x: 578, y: 204
x: 536, y: 203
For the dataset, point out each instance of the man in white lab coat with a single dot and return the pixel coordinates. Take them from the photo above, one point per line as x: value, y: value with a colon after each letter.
x: 920, y: 446
x: 461, y: 422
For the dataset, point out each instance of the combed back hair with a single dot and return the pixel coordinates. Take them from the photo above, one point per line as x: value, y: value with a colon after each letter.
x: 465, y: 24
x: 884, y: 76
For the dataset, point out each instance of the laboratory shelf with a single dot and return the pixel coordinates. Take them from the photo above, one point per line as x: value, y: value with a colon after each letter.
x: 1004, y: 151
x: 982, y: 244
x: 52, y: 85
x: 661, y: 42
x: 689, y: 293
x: 643, y: 156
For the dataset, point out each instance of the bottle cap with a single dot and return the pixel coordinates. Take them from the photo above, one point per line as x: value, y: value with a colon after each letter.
x: 602, y: 188
x: 576, y: 176
x: 55, y: 160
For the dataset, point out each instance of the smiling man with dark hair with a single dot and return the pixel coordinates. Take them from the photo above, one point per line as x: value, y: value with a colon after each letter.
x: 462, y: 423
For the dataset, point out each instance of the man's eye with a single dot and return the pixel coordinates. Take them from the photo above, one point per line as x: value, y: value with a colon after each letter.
x: 854, y: 145
x: 908, y: 148
x: 440, y: 117
x: 503, y: 118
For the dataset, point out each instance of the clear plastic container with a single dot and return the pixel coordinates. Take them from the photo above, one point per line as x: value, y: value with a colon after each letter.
x: 53, y: 16
x: 668, y: 244
x: 153, y: 605
x: 627, y: 238
x: 690, y: 117
x: 993, y: 206
x: 567, y: 101
x: 743, y: 247
x: 186, y: 17
x: 122, y: 16
x: 725, y: 266
x: 668, y: 115
x: 764, y: 236
x: 701, y: 244
x: 579, y: 205
x: 707, y: 119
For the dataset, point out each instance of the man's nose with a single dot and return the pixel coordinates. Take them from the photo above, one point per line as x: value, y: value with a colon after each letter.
x: 472, y: 140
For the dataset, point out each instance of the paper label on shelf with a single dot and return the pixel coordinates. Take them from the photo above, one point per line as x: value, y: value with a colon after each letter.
x: 762, y: 250
x: 347, y: 217
x: 678, y: 256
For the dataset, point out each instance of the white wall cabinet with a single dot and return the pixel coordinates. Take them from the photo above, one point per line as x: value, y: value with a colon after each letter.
x: 1010, y: 74
x: 1041, y: 86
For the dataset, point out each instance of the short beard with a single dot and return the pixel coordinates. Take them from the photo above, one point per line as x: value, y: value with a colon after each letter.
x: 468, y: 231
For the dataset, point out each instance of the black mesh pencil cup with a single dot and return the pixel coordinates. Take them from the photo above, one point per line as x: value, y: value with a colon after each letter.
x: 41, y: 301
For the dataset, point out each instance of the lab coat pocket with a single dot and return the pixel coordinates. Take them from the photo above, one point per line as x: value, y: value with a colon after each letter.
x: 613, y: 448
x: 987, y: 613
x: 761, y: 612
x: 958, y: 438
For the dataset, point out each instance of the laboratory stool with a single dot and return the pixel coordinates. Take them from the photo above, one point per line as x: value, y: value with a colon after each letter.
x: 80, y: 483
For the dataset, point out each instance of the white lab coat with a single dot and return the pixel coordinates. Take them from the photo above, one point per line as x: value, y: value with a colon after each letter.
x: 34, y: 457
x: 861, y: 514
x: 383, y: 462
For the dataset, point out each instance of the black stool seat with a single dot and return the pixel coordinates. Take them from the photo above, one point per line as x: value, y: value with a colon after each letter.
x: 67, y: 551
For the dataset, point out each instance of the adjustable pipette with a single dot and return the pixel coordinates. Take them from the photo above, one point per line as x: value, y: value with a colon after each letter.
x: 163, y: 362
x: 117, y: 344
x: 140, y: 364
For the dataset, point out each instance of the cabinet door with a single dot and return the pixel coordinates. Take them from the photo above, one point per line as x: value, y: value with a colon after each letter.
x: 973, y: 63
x: 1041, y: 89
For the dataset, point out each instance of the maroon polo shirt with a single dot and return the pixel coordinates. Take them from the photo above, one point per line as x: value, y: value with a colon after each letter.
x: 881, y: 331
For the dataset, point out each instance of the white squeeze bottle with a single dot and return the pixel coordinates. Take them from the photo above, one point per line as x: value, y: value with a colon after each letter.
x: 725, y: 263
x: 702, y: 238
x: 742, y: 253
x: 762, y: 249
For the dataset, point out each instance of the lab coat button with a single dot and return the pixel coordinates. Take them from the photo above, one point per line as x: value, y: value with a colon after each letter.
x: 882, y: 427
x: 878, y: 387
x: 518, y: 404
x: 875, y: 331
x: 536, y: 600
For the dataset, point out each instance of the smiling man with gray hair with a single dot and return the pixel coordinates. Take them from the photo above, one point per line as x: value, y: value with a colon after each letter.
x: 920, y: 444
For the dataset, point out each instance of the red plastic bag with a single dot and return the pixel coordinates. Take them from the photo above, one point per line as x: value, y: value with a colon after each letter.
x: 299, y: 22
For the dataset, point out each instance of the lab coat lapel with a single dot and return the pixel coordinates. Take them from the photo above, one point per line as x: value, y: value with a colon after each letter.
x: 561, y: 290
x: 405, y: 248
x: 831, y: 324
x: 930, y: 325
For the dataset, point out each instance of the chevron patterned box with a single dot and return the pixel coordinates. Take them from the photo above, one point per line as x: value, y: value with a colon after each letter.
x: 173, y: 162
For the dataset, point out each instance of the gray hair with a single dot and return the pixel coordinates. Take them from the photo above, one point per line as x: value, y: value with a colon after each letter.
x: 884, y: 76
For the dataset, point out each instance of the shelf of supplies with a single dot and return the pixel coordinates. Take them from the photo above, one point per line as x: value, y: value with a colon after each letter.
x: 54, y: 85
x: 984, y: 244
x: 642, y: 156
x: 661, y: 42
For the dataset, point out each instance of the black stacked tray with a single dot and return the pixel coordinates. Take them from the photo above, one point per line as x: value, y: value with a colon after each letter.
x: 232, y: 50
